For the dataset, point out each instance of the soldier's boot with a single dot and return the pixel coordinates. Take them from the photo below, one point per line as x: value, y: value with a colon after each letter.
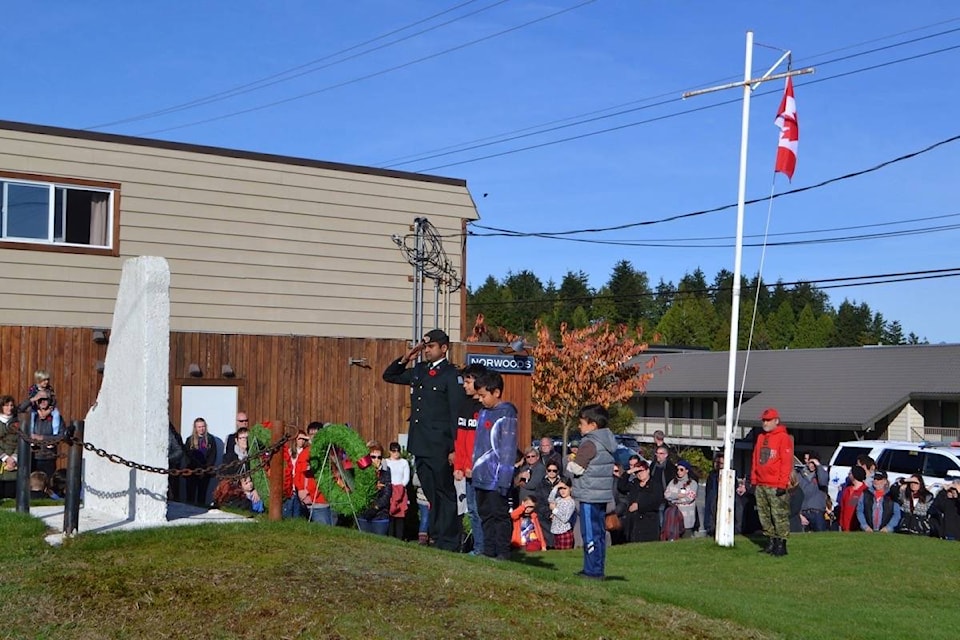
x: 779, y: 547
x: 771, y: 543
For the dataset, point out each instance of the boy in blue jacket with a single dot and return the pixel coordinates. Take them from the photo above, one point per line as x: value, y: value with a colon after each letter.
x: 494, y: 450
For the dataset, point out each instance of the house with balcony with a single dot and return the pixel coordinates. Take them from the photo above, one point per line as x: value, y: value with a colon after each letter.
x: 824, y: 396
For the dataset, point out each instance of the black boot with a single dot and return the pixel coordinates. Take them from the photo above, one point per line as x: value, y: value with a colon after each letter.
x: 783, y: 547
x: 779, y: 547
x: 771, y: 543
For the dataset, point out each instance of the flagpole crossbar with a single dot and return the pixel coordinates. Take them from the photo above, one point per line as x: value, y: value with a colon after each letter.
x: 754, y: 83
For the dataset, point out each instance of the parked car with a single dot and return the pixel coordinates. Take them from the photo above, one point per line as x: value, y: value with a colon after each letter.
x: 628, y: 441
x: 938, y: 463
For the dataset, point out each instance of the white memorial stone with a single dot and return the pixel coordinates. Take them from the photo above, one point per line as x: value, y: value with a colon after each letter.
x: 130, y: 416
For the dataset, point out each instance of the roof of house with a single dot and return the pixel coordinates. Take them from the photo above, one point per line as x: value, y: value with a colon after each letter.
x: 221, y: 151
x: 828, y: 388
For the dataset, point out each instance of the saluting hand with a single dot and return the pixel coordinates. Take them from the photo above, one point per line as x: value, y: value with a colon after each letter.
x: 413, y: 352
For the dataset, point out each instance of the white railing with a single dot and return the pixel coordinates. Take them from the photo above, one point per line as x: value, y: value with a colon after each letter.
x: 682, y: 428
x: 940, y: 434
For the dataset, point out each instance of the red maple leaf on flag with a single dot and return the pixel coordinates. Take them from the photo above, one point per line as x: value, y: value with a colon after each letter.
x: 789, y: 133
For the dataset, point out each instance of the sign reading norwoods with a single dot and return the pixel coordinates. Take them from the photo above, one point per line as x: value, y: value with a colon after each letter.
x: 502, y: 363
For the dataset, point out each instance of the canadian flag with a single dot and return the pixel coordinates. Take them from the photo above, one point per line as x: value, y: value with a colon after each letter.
x: 789, y: 133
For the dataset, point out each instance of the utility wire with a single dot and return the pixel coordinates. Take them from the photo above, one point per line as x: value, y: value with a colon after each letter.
x: 672, y: 97
x: 678, y: 113
x: 822, y: 283
x: 374, y: 74
x: 285, y: 75
x: 783, y: 243
x: 552, y: 234
x: 799, y: 232
x: 506, y: 136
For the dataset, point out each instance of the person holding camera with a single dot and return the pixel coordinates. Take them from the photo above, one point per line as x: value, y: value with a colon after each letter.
x: 770, y: 477
x: 814, y: 479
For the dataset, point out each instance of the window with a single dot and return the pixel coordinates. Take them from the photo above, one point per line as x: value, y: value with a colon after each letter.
x: 68, y: 214
x: 847, y: 456
x: 936, y: 465
x: 900, y: 461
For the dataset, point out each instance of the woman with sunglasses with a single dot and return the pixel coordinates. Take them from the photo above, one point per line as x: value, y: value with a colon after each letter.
x: 546, y: 489
x: 915, y: 502
x: 376, y: 517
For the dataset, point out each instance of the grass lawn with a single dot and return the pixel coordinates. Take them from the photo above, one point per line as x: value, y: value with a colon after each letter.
x: 296, y: 580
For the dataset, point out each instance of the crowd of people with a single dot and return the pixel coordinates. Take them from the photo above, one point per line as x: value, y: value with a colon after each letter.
x: 38, y: 416
x: 470, y: 487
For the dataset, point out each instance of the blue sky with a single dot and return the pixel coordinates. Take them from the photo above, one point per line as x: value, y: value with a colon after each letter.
x: 85, y: 64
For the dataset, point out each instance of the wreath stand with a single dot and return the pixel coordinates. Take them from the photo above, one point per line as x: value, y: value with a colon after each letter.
x: 358, y: 488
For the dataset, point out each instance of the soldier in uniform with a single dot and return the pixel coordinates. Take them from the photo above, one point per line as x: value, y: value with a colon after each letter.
x: 436, y: 397
x: 770, y: 475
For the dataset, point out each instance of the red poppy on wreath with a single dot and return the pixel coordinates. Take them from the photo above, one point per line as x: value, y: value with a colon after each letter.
x: 433, y: 372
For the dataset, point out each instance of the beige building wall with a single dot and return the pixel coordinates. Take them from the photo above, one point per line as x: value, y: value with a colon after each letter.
x: 903, y: 424
x: 257, y: 244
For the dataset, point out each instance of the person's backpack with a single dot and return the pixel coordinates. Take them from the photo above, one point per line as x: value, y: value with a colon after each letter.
x: 672, y: 523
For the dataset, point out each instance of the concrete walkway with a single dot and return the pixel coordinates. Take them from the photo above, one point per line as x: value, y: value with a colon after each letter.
x: 178, y: 514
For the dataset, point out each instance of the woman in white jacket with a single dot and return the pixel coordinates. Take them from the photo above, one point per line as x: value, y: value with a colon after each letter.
x: 682, y: 492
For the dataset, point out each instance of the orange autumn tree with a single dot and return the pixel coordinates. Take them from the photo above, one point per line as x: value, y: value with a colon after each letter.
x: 595, y: 364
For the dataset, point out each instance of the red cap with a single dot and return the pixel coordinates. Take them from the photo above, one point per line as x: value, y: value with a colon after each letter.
x: 770, y: 414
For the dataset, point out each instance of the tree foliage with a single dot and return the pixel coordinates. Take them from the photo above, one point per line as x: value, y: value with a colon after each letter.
x: 578, y: 366
x: 690, y: 313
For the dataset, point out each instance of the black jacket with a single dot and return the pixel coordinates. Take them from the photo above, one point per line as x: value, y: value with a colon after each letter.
x: 435, y: 403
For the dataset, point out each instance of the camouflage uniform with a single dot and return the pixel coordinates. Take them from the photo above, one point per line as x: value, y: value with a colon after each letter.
x: 774, y: 512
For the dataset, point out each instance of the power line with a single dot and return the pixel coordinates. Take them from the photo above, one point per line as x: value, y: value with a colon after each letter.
x: 374, y: 74
x: 678, y: 113
x: 290, y: 74
x: 830, y: 283
x: 672, y: 97
x: 553, y: 234
x: 784, y: 243
x: 793, y: 233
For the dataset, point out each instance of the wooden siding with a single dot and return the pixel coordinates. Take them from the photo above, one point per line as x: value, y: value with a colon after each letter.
x: 255, y: 246
x: 296, y: 379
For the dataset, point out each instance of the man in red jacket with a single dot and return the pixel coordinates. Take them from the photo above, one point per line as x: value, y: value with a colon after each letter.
x: 772, y: 464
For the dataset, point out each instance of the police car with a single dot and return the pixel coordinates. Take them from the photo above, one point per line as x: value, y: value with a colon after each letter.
x: 937, y: 462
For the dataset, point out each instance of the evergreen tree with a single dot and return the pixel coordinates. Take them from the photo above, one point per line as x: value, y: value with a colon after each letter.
x: 893, y: 333
x: 661, y: 301
x: 631, y: 294
x: 574, y: 292
x: 807, y: 334
x: 527, y: 290
x: 852, y: 324
x: 781, y: 326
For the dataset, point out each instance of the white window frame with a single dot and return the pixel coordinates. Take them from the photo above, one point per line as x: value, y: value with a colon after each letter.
x: 52, y: 234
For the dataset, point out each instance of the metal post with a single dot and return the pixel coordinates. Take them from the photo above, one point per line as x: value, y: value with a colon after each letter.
x: 24, y: 463
x: 71, y: 510
x: 418, y: 281
x: 276, y: 473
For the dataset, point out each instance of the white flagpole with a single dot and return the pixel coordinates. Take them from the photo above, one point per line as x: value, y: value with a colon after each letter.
x: 725, y: 499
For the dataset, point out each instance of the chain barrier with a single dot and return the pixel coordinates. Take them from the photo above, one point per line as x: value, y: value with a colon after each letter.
x: 262, y: 458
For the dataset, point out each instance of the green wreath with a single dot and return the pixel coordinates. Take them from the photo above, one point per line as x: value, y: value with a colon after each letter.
x: 259, y: 441
x: 343, y: 439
